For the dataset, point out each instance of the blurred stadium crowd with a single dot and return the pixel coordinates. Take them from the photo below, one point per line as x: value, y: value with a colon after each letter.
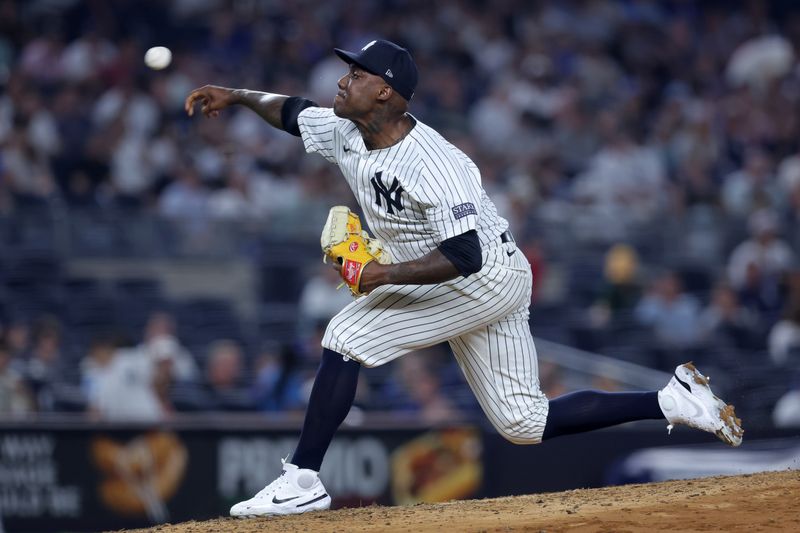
x: 647, y: 154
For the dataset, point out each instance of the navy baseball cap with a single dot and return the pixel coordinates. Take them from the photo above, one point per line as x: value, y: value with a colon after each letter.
x: 391, y: 62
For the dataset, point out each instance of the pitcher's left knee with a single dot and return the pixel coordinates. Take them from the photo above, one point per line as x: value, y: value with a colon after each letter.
x: 526, y: 426
x: 524, y: 436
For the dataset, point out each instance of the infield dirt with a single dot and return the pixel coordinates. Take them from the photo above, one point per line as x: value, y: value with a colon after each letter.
x: 756, y: 502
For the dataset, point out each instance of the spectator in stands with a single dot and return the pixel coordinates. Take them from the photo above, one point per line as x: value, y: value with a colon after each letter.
x: 789, y: 175
x: 161, y: 343
x: 95, y: 365
x: 85, y: 58
x: 127, y: 385
x: 415, y: 387
x: 278, y: 384
x: 770, y: 255
x: 28, y: 171
x: 494, y: 121
x: 726, y: 320
x: 232, y: 202
x: 786, y: 413
x: 185, y: 203
x: 17, y: 337
x: 225, y: 390
x: 320, y: 298
x: 791, y: 214
x: 752, y: 187
x: 762, y: 295
x: 42, y: 367
x: 624, y: 180
x: 15, y: 398
x: 186, y: 198
x: 41, y: 57
x: 672, y: 313
x: 621, y: 289
x: 784, y: 337
x: 697, y: 187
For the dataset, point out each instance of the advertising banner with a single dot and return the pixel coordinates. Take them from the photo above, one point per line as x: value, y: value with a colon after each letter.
x: 91, y: 480
x: 104, y: 478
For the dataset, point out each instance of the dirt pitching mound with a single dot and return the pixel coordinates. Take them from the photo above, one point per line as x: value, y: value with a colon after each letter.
x: 758, y: 502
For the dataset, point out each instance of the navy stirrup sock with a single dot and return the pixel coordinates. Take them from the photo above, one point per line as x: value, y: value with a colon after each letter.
x: 588, y: 409
x: 331, y: 398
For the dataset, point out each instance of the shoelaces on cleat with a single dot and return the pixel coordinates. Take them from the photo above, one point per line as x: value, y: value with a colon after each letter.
x: 278, y: 483
x: 274, y: 486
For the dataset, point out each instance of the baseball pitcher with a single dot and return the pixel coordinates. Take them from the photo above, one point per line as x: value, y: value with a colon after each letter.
x: 442, y: 265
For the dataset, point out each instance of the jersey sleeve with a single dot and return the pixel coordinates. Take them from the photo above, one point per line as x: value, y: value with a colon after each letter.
x: 318, y: 130
x: 291, y: 109
x: 456, y: 200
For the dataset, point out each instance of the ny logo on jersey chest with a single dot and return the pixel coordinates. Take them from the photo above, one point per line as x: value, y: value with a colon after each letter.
x: 390, y: 195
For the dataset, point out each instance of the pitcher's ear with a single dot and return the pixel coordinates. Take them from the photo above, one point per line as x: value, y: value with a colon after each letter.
x: 385, y: 93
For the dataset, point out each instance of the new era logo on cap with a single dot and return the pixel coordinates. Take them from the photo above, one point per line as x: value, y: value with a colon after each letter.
x: 391, y: 62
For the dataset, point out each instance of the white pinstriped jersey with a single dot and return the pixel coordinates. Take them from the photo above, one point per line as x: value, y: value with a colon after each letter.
x: 414, y: 194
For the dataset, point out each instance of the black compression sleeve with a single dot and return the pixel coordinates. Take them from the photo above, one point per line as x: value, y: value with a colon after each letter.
x: 290, y: 110
x: 464, y: 251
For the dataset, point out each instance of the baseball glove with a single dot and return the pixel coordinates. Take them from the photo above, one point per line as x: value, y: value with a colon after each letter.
x: 346, y: 244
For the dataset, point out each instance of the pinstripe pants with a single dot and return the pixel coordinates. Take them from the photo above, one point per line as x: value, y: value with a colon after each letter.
x: 484, y: 317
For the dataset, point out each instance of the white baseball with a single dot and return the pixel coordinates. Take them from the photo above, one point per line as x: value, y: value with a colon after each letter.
x: 158, y: 57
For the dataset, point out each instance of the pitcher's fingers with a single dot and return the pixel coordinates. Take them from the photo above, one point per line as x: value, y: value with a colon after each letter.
x: 188, y: 104
x: 190, y: 101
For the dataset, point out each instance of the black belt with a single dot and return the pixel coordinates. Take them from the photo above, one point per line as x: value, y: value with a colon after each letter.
x: 506, y: 236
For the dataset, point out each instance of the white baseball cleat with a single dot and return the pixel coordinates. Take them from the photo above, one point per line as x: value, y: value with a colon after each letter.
x: 687, y: 399
x: 297, y: 490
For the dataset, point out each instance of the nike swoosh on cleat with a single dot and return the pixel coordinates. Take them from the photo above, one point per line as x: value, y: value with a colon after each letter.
x: 683, y: 383
x: 318, y: 498
x: 276, y: 500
